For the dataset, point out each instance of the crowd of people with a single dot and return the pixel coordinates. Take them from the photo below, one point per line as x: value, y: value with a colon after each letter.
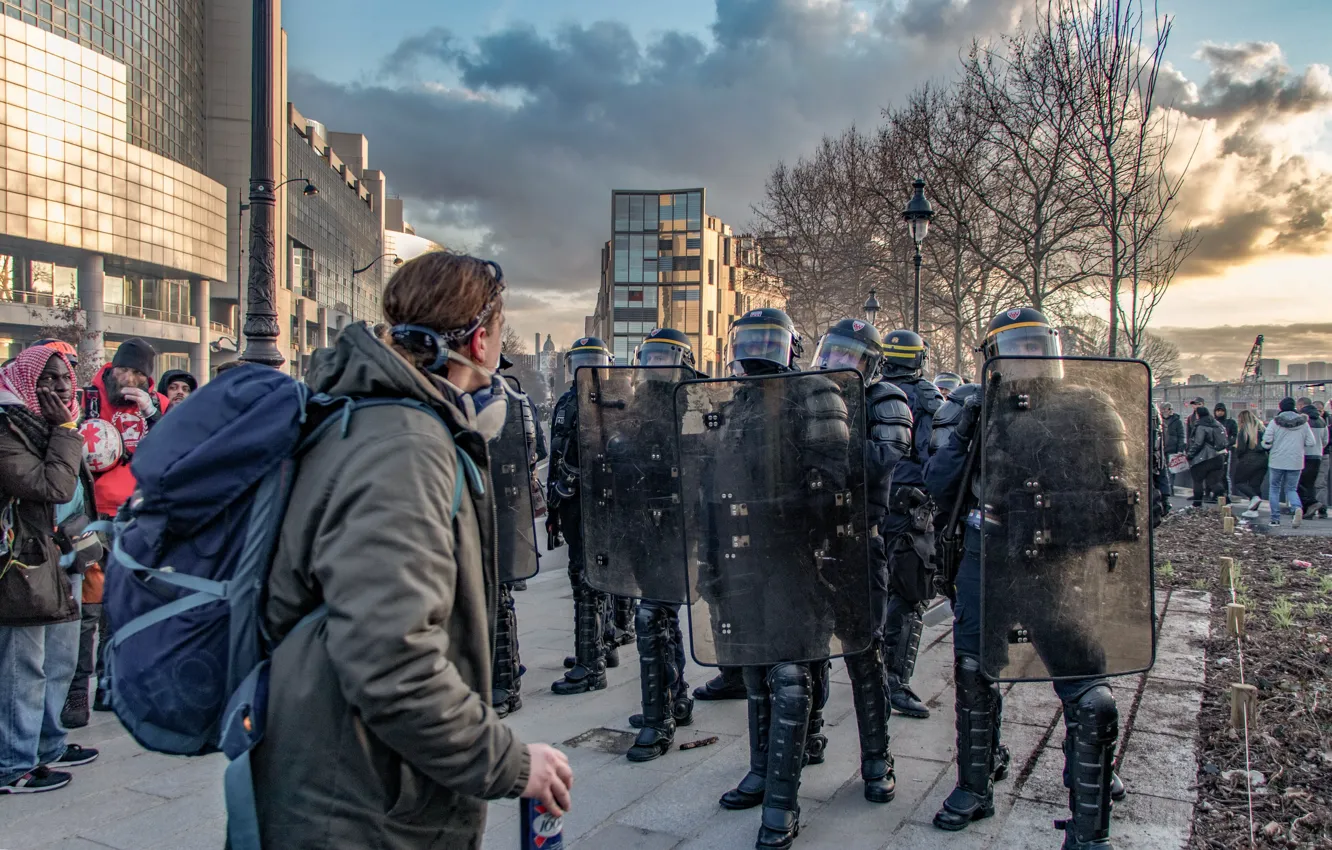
x: 392, y: 634
x: 1232, y: 457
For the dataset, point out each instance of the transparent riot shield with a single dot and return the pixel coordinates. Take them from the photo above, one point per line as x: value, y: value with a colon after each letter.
x: 772, y: 480
x: 1066, y: 553
x: 511, y: 479
x: 631, y: 499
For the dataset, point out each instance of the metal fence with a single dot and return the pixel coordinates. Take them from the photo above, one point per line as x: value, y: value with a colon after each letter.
x: 1262, y: 398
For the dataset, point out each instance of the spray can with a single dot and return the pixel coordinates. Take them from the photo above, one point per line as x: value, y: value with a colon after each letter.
x: 540, y: 829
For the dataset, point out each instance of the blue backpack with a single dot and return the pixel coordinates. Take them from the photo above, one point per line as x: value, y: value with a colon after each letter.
x: 187, y: 661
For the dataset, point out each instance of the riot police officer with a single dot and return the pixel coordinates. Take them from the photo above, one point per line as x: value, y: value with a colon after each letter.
x: 908, y: 526
x: 773, y: 593
x: 1033, y: 412
x: 564, y: 516
x: 946, y: 382
x: 661, y: 652
x: 854, y: 344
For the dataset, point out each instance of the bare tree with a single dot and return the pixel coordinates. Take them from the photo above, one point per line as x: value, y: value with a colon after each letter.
x: 1108, y: 61
x: 512, y: 342
x: 1083, y: 334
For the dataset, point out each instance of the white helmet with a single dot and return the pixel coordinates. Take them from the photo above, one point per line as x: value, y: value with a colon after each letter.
x: 103, y: 449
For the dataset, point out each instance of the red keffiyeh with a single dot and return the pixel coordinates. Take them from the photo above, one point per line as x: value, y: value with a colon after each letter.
x: 20, y: 377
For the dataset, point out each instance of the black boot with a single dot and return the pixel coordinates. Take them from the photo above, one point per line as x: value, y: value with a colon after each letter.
x: 589, y: 673
x: 1091, y: 730
x: 816, y: 743
x: 729, y: 683
x: 625, y: 613
x: 792, y: 698
x: 901, y: 645
x: 867, y: 692
x: 504, y: 666
x: 973, y: 798
x: 75, y: 713
x: 749, y: 793
x: 1117, y: 790
x: 657, y: 674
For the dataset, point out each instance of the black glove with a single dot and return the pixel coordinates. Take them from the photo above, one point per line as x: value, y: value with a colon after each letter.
x: 968, y: 418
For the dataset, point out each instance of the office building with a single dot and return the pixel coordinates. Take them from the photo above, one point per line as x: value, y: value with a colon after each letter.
x: 1318, y: 370
x: 1270, y: 367
x: 111, y: 228
x: 1197, y: 378
x: 671, y: 264
x: 1297, y: 371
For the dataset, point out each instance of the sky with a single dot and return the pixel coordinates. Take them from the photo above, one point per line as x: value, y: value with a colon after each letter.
x: 504, y: 125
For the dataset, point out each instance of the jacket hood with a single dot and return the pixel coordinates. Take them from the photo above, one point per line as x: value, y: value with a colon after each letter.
x: 361, y: 366
x: 178, y: 375
x: 99, y: 384
x: 1291, y: 419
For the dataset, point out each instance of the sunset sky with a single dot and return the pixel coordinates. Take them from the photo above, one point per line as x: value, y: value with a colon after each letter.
x: 504, y: 125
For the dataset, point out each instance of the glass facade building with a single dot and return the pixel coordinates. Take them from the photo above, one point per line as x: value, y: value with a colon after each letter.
x: 160, y: 43
x: 332, y: 233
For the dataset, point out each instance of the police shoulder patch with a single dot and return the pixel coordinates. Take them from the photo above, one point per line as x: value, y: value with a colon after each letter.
x: 1013, y: 314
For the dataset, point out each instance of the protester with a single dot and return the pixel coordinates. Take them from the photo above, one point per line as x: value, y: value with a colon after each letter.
x: 380, y: 731
x: 46, y: 506
x: 1175, y: 443
x: 1223, y: 418
x: 1207, y: 456
x: 1197, y: 407
x: 1313, y: 457
x: 177, y: 384
x: 1250, y: 462
x: 1288, y: 439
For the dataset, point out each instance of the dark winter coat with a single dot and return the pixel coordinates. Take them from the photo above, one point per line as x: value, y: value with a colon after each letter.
x: 1174, y: 434
x: 1208, y: 440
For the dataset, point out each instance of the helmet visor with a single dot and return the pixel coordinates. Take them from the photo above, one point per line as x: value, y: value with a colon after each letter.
x: 653, y: 353
x: 761, y: 342
x: 1030, y: 341
x: 579, y: 359
x: 841, y: 352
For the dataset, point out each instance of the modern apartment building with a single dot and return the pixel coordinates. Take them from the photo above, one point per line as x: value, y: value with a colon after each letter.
x: 671, y: 264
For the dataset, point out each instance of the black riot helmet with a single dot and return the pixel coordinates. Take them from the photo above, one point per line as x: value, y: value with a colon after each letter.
x: 588, y: 351
x: 1022, y: 331
x: 850, y: 344
x: 763, y: 341
x: 665, y: 347
x: 903, y: 354
x: 947, y: 382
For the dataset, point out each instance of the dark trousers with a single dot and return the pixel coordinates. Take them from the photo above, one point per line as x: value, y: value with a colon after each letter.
x: 90, y: 652
x: 1208, y: 479
x: 1308, y: 488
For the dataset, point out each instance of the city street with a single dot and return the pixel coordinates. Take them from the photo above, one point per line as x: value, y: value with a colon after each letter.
x: 133, y: 800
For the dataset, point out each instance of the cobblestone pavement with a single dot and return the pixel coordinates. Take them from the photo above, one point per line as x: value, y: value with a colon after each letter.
x: 134, y: 800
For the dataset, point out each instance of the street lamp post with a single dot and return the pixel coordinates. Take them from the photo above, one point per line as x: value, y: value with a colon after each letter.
x: 309, y: 190
x: 397, y: 261
x: 871, y: 308
x: 917, y: 215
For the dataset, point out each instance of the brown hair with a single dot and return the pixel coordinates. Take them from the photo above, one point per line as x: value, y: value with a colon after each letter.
x: 445, y: 292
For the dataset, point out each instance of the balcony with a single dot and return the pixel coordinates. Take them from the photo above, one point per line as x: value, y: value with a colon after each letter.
x: 219, y: 327
x: 150, y: 315
x: 37, y: 299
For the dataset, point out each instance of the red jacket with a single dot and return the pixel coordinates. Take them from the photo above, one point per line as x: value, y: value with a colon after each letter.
x: 112, y: 489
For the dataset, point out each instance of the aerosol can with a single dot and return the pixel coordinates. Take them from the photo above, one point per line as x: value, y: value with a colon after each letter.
x: 540, y: 829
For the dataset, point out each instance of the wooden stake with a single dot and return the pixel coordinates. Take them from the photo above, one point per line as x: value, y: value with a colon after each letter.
x: 1243, y: 700
x: 1227, y: 569
x: 1228, y: 524
x: 1221, y: 503
x: 1234, y: 619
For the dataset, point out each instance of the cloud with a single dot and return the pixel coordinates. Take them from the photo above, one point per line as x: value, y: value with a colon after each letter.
x: 517, y: 137
x: 1257, y: 183
x: 1220, y: 352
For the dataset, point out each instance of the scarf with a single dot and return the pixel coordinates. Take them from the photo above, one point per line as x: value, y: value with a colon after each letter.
x: 19, y: 378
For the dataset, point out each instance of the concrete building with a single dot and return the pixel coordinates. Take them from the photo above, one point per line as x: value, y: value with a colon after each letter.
x: 1318, y: 370
x: 670, y: 264
x: 1197, y: 378
x: 1297, y: 371
x: 1271, y: 367
x: 111, y: 227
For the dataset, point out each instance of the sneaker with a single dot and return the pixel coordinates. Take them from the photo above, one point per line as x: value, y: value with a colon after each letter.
x: 1254, y: 503
x: 1310, y: 510
x: 37, y: 781
x: 75, y: 756
x: 1297, y: 518
x: 1250, y: 514
x: 1275, y: 522
x: 102, y: 702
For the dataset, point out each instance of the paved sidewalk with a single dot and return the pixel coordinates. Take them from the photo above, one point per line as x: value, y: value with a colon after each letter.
x: 133, y: 800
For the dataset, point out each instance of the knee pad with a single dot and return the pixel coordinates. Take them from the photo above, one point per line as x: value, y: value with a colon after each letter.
x: 648, y: 618
x: 790, y: 681
x: 1096, y: 709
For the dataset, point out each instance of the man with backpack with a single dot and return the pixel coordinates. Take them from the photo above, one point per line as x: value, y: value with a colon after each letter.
x: 1208, y: 449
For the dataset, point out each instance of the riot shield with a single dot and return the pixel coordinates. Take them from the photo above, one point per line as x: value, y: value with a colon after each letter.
x: 1066, y: 553
x: 631, y: 501
x: 772, y: 480
x: 511, y: 480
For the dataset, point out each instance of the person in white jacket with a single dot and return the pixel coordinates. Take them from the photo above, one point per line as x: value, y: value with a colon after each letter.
x: 1287, y: 439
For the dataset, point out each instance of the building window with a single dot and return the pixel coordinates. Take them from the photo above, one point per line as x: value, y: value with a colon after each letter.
x: 712, y: 273
x: 710, y: 317
x: 302, y: 270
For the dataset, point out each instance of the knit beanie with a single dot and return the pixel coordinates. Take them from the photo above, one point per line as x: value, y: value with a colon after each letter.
x: 135, y: 354
x: 1287, y: 405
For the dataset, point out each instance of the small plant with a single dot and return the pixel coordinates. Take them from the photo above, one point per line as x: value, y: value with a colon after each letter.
x: 1166, y: 571
x: 1200, y: 584
x: 1311, y: 610
x: 1282, y: 613
x: 1278, y: 575
x: 1325, y: 584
